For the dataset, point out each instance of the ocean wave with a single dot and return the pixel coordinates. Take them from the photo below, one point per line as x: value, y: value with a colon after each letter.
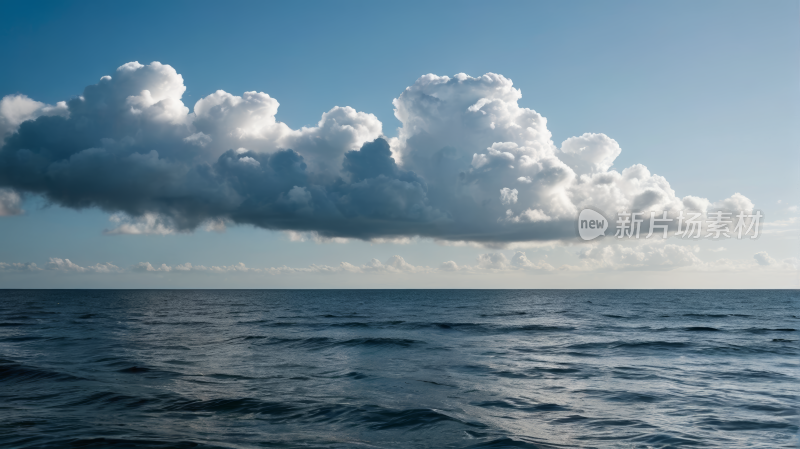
x: 655, y: 345
x: 745, y: 424
x: 121, y: 443
x: 489, y: 328
x: 369, y: 416
x: 328, y: 342
x: 766, y: 330
x: 16, y: 373
x: 521, y: 405
x: 511, y: 443
x: 502, y: 314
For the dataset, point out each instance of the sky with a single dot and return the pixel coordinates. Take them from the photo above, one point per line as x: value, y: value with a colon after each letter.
x: 395, y: 144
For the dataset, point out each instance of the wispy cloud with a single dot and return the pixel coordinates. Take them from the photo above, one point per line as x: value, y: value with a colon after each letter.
x: 18, y: 266
x: 599, y: 258
x: 65, y: 265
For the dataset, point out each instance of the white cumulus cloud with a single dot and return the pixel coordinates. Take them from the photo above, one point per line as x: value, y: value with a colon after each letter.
x: 130, y: 146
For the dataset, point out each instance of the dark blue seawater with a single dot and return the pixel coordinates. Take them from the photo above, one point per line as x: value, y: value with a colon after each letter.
x: 386, y: 369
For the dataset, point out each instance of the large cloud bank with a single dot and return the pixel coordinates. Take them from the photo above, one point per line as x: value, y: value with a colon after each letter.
x: 469, y: 164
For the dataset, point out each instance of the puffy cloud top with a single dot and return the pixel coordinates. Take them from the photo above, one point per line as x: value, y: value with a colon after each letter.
x: 468, y: 164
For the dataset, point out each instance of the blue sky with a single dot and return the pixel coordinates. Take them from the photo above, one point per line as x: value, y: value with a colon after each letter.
x: 704, y: 94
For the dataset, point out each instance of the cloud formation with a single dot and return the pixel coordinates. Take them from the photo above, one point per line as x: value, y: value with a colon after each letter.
x: 647, y: 257
x: 469, y: 164
x: 19, y: 267
x: 10, y: 203
x: 67, y: 266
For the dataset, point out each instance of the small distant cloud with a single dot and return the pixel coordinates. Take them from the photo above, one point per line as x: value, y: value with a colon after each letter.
x: 145, y: 224
x: 763, y: 258
x: 144, y: 267
x: 26, y: 266
x: 10, y: 203
x: 66, y: 265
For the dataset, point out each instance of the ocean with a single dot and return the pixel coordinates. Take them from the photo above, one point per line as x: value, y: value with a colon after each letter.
x: 399, y: 368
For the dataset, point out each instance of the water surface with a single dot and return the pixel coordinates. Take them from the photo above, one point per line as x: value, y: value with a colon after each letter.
x: 409, y: 368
